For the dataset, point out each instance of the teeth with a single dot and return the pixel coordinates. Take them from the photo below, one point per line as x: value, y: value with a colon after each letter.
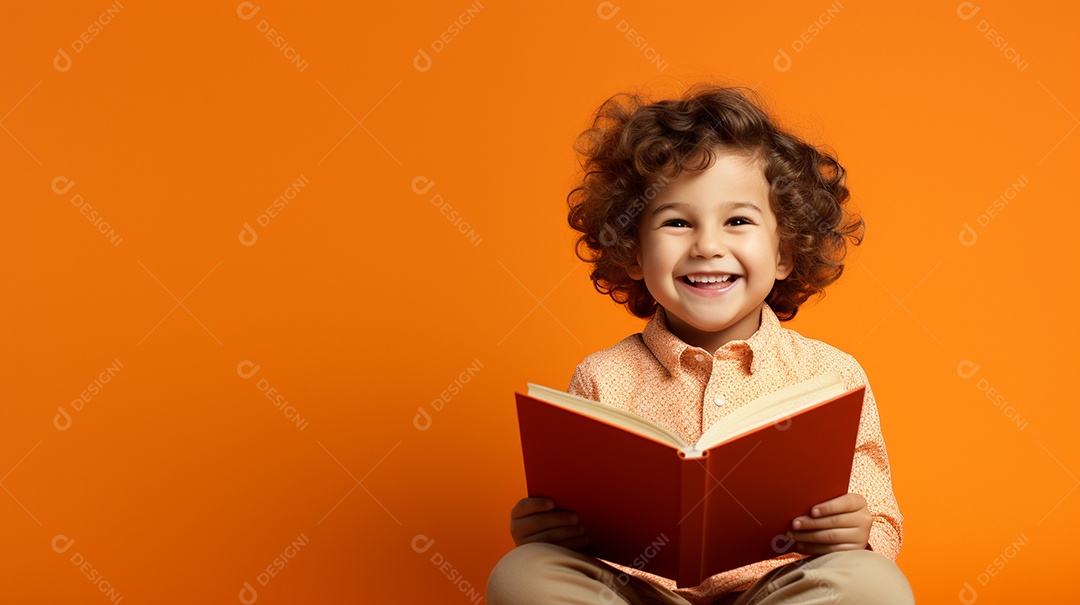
x: 708, y: 279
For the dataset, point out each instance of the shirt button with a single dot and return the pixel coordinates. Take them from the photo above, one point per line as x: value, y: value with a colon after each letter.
x: 719, y: 400
x: 699, y: 357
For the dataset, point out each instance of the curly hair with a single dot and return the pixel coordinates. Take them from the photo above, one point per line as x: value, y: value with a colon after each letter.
x: 634, y: 148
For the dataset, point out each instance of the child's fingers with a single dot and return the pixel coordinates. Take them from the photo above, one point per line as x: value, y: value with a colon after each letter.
x: 558, y: 534
x: 854, y: 519
x: 845, y: 535
x: 538, y: 522
x: 840, y: 504
x: 529, y: 506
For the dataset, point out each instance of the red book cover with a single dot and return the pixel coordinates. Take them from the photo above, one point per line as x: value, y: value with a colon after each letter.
x: 649, y: 504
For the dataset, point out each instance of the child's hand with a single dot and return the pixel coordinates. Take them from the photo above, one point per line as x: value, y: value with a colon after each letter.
x: 839, y: 524
x: 537, y: 520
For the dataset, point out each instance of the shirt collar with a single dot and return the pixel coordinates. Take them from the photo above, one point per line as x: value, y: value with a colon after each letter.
x: 673, y: 353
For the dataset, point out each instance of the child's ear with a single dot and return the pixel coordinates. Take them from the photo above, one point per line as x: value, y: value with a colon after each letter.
x: 635, y: 270
x: 785, y: 264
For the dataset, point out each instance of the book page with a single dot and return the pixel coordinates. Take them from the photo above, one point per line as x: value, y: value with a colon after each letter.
x: 771, y: 408
x: 610, y: 414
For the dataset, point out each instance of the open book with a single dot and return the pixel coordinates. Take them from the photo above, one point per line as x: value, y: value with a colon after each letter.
x: 651, y: 501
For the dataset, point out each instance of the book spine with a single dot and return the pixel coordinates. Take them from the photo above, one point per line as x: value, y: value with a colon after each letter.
x: 692, y: 520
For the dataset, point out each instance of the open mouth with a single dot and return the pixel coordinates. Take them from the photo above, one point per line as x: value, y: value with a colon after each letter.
x: 717, y: 285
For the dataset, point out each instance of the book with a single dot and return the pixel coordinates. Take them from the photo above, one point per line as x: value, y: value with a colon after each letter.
x: 683, y: 511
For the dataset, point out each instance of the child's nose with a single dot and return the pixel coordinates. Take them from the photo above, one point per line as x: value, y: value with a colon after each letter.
x: 710, y: 244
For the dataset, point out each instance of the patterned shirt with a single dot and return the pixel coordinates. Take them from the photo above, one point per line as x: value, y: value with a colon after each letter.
x: 686, y: 389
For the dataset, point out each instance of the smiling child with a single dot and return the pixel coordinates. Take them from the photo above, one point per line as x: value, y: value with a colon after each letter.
x: 703, y: 216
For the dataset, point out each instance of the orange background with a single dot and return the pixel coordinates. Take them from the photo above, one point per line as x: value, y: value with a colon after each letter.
x: 362, y: 301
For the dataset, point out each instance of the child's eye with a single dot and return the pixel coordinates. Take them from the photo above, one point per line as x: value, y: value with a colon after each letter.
x: 679, y: 220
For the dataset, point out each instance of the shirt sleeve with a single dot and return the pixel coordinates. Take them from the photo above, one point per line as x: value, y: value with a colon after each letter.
x: 582, y: 384
x: 871, y: 476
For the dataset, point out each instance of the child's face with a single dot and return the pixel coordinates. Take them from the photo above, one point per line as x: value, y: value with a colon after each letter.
x: 708, y: 234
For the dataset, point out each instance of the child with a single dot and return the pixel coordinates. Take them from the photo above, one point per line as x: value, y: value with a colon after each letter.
x: 707, y: 219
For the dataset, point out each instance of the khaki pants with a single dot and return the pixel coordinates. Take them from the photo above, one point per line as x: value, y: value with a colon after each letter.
x: 548, y: 573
